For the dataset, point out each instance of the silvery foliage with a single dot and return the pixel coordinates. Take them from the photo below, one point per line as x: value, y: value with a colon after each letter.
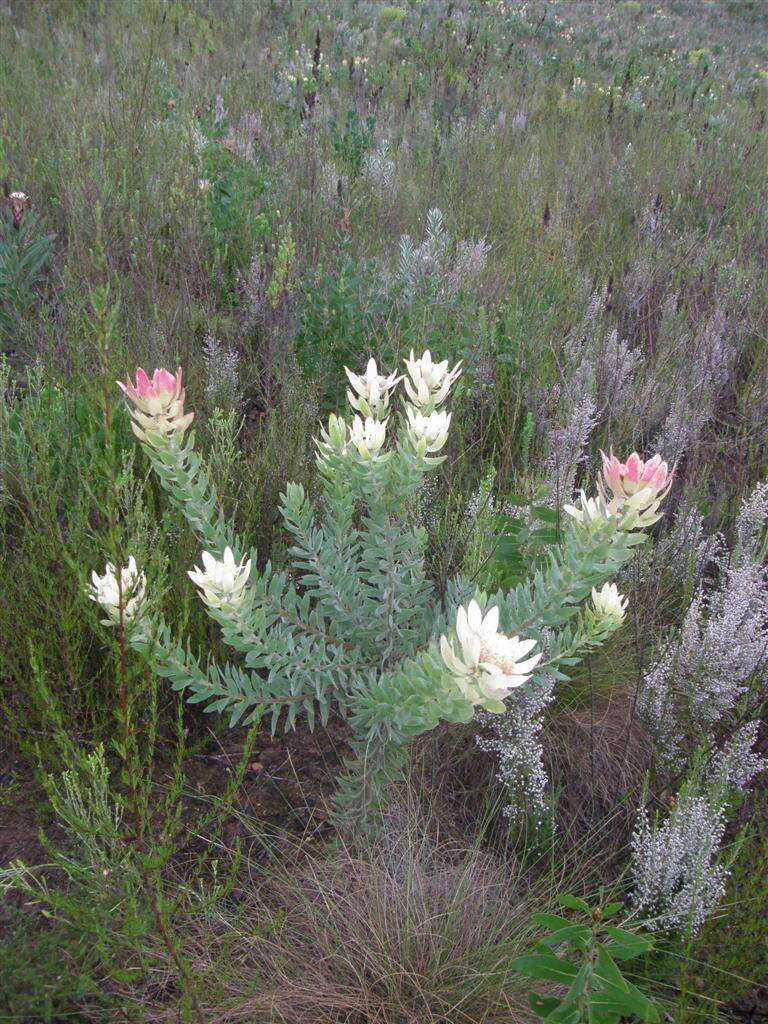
x: 677, y: 872
x: 353, y: 621
x: 379, y: 167
x: 222, y: 374
x: 438, y: 266
x: 694, y: 690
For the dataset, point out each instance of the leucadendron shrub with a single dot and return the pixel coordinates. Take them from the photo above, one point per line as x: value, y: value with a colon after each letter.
x: 353, y: 623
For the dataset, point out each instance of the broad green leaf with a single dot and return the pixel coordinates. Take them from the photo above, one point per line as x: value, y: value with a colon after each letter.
x: 545, y: 967
x: 626, y: 944
x: 628, y: 1002
x: 542, y: 1006
x: 574, y: 903
x: 552, y: 921
x: 567, y: 934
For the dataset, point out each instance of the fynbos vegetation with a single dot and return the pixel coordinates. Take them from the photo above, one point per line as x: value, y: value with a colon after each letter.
x: 393, y: 649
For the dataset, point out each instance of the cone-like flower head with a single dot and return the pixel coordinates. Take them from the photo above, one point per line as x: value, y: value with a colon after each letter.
x: 156, y: 406
x: 370, y: 392
x: 427, y: 384
x: 427, y: 432
x: 368, y: 437
x: 608, y: 603
x: 626, y: 479
x: 105, y: 591
x: 487, y: 665
x: 222, y: 583
x: 588, y: 510
x: 332, y: 441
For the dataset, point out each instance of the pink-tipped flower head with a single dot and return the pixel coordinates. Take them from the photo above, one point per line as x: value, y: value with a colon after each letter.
x: 157, y: 405
x: 633, y: 484
x: 627, y: 478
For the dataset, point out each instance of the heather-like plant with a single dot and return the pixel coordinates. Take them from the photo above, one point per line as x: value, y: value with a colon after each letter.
x: 712, y: 676
x: 678, y: 866
x: 356, y: 625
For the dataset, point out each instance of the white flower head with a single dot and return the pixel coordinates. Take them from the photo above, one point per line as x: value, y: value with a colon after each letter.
x: 105, y: 591
x: 589, y: 510
x: 428, y: 384
x: 370, y: 391
x: 638, y: 511
x: 222, y: 583
x: 427, y: 432
x: 332, y: 441
x: 608, y: 603
x: 487, y: 665
x: 368, y: 437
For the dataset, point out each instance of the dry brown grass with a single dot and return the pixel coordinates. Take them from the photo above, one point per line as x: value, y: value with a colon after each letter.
x: 597, y: 758
x: 409, y: 929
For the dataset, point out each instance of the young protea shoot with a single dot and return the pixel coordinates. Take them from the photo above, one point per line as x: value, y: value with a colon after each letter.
x: 487, y: 665
x: 332, y: 441
x: 608, y: 603
x: 370, y: 392
x: 157, y: 406
x: 368, y: 437
x: 222, y: 583
x: 427, y: 384
x: 104, y: 590
x: 428, y: 433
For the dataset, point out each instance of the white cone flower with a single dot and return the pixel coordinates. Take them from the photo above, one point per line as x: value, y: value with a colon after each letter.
x: 222, y: 583
x: 428, y: 433
x: 589, y: 510
x: 333, y: 441
x: 104, y: 590
x: 608, y: 603
x: 368, y: 437
x: 428, y: 384
x: 487, y: 665
x: 370, y: 391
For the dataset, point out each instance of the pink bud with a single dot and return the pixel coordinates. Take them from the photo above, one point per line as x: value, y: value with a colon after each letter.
x: 157, y: 404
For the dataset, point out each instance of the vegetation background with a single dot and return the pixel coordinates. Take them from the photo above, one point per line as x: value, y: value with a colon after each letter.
x: 569, y: 197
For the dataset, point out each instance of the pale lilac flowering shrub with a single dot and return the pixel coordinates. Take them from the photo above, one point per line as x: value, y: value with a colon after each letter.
x: 698, y: 684
x: 677, y: 874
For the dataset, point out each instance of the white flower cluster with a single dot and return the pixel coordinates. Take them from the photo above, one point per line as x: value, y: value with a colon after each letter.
x: 485, y: 664
x: 515, y: 739
x: 678, y: 880
x: 608, y: 603
x: 221, y: 582
x: 427, y: 385
x: 752, y: 520
x: 106, y: 591
x: 222, y: 374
